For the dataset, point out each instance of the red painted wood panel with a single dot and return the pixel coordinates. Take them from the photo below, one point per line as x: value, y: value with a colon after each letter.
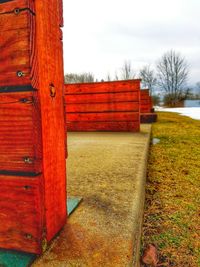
x: 51, y: 95
x: 19, y: 150
x: 113, y: 126
x: 21, y: 213
x: 105, y: 106
x: 17, y: 4
x: 103, y: 117
x: 32, y: 124
x: 146, y: 107
x: 60, y: 13
x: 102, y: 87
x: 145, y: 101
x: 102, y: 98
x: 17, y: 28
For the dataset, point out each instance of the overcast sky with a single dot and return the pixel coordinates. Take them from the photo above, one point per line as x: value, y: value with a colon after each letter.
x: 99, y: 35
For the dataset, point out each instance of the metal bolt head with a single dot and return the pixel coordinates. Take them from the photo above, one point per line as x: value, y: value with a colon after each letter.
x: 16, y: 11
x: 28, y: 236
x: 28, y: 160
x: 27, y: 187
x: 20, y: 73
x: 52, y: 90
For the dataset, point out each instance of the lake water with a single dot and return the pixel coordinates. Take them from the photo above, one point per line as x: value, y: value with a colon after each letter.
x: 192, y: 103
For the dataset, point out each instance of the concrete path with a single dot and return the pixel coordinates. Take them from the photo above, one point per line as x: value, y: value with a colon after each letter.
x: 108, y: 170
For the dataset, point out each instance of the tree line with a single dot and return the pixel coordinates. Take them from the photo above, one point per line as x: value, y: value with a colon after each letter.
x: 169, y: 78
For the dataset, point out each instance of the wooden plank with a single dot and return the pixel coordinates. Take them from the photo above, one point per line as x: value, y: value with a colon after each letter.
x: 102, y: 98
x: 10, y: 6
x: 103, y: 87
x: 103, y: 107
x: 17, y: 143
x: 21, y: 213
x: 145, y: 98
x: 106, y: 104
x: 105, y: 127
x: 60, y: 13
x: 21, y: 19
x: 15, y: 47
x: 145, y: 101
x: 145, y: 92
x: 51, y: 79
x: 102, y: 117
x: 32, y: 134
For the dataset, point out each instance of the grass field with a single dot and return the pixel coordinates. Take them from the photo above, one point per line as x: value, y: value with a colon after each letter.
x: 172, y: 210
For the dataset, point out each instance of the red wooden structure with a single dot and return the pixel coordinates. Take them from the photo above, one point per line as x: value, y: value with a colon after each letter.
x: 146, y: 107
x: 103, y: 106
x: 32, y: 124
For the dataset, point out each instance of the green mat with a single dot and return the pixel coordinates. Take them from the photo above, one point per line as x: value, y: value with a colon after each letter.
x: 10, y: 258
x: 72, y: 204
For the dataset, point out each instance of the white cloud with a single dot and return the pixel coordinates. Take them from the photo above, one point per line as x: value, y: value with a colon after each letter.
x: 100, y: 35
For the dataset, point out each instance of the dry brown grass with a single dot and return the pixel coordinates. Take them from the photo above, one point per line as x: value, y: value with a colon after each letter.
x: 172, y: 212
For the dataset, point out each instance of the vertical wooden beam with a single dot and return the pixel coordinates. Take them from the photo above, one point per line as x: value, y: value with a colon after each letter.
x: 51, y: 87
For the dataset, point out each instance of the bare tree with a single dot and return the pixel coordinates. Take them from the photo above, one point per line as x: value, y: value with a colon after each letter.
x: 108, y: 77
x: 116, y: 76
x: 172, y: 75
x: 127, y: 71
x: 148, y: 78
x: 79, y: 78
x: 198, y: 88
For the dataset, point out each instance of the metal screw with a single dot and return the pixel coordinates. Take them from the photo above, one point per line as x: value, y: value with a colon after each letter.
x: 26, y: 100
x: 20, y: 73
x: 27, y: 187
x: 28, y: 236
x: 16, y: 11
x: 28, y: 160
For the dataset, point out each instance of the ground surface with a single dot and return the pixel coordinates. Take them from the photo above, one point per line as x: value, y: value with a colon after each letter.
x: 172, y: 214
x: 108, y: 171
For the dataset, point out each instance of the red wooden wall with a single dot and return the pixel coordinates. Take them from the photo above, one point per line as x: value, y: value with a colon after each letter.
x: 32, y: 124
x: 103, y: 106
x: 146, y: 104
x: 147, y: 114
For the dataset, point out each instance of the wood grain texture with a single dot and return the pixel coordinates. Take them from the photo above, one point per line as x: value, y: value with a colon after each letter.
x: 102, y: 87
x: 146, y: 107
x: 51, y: 77
x: 106, y: 106
x: 18, y: 139
x: 17, y: 29
x: 102, y: 98
x: 32, y: 124
x: 103, y: 107
x: 10, y: 6
x: 104, y: 126
x: 21, y: 213
x: 145, y: 101
x: 102, y: 117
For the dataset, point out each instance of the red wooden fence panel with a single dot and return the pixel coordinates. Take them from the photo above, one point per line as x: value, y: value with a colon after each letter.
x: 103, y: 106
x: 145, y: 101
x: 146, y: 107
x: 32, y: 124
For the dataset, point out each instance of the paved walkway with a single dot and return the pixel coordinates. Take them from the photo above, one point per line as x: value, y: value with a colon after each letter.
x: 108, y: 170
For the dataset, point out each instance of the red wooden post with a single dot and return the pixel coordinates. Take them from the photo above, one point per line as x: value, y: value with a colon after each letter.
x: 32, y: 124
x: 103, y: 106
